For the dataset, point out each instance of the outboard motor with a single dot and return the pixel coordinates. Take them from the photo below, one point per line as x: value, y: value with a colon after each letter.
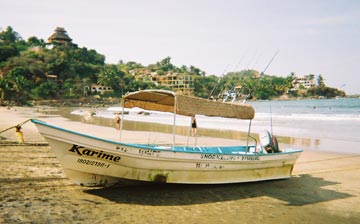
x: 269, y: 142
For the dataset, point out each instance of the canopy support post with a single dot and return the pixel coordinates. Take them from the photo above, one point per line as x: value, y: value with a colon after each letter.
x: 122, y: 119
x: 247, y: 140
x: 187, y: 141
x: 174, y: 124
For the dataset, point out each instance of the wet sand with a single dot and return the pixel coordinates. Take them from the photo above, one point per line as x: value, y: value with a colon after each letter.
x: 34, y: 189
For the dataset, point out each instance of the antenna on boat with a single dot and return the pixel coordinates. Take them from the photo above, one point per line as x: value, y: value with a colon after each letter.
x: 262, y: 73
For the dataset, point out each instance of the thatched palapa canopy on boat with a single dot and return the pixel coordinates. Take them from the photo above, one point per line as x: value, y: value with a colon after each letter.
x: 168, y: 101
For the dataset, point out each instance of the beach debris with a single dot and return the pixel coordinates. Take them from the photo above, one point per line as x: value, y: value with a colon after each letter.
x: 88, y: 115
x: 145, y: 113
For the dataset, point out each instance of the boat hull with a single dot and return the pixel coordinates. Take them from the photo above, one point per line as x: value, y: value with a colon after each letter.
x: 92, y: 161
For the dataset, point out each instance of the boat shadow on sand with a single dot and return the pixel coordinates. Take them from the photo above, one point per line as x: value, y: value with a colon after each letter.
x: 297, y: 191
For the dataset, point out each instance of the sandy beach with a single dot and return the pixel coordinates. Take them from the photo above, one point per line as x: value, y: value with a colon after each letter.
x: 33, y: 188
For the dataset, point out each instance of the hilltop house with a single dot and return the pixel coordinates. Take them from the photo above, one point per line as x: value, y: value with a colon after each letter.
x: 60, y: 36
x: 96, y: 88
x: 305, y: 82
x: 178, y: 82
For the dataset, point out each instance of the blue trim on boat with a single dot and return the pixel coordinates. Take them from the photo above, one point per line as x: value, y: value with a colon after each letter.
x: 220, y: 150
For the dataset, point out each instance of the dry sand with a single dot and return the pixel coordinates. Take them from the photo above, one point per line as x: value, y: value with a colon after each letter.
x: 33, y: 189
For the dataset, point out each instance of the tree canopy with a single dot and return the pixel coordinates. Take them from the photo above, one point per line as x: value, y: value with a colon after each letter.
x: 35, y: 70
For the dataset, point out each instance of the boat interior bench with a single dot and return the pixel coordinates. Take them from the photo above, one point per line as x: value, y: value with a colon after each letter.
x: 206, y: 149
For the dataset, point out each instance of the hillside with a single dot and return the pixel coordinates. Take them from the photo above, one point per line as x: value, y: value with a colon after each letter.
x: 58, y: 69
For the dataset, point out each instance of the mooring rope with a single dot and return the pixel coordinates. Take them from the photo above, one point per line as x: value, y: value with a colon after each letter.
x: 18, y: 130
x: 18, y: 126
x: 10, y: 143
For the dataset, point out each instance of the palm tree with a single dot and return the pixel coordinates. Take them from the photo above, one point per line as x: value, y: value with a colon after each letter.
x: 311, y: 76
x: 86, y: 82
x: 320, y: 81
x: 111, y: 76
x: 21, y: 88
x: 4, y: 88
x: 107, y: 76
x: 289, y: 81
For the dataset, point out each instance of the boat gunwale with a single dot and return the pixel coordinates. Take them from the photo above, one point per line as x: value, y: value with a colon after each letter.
x: 143, y: 146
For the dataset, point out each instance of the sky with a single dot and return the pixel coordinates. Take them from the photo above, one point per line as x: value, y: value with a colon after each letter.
x: 320, y: 37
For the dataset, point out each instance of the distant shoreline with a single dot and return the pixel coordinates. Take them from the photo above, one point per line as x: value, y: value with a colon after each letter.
x: 108, y: 101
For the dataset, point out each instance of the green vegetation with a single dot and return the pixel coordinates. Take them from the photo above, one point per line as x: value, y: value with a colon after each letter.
x: 31, y: 70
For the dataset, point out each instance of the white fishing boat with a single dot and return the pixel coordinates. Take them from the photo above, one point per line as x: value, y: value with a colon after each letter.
x: 90, y: 160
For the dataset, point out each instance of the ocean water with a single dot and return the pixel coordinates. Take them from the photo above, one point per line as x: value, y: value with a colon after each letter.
x: 324, y: 124
x: 315, y: 118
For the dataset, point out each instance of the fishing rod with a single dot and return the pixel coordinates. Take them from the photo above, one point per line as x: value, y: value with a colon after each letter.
x: 215, y: 87
x: 241, y: 59
x: 230, y: 91
x: 213, y: 90
x: 257, y: 61
x: 271, y: 60
x: 228, y: 94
